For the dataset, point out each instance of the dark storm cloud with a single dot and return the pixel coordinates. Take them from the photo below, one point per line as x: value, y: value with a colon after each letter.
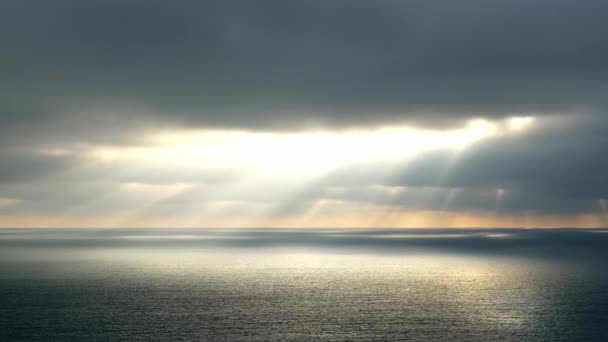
x: 288, y: 64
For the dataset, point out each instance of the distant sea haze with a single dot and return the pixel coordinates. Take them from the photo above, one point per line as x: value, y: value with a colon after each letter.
x: 303, y: 285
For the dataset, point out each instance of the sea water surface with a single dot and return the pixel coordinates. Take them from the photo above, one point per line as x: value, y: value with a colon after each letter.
x: 303, y: 285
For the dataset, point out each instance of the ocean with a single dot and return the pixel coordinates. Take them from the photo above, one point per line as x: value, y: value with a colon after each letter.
x: 303, y: 285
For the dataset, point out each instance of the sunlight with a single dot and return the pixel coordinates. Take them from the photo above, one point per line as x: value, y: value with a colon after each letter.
x: 294, y: 153
x: 212, y: 175
x: 519, y: 123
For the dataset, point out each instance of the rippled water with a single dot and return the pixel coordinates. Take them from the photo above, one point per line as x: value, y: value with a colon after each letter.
x: 317, y: 285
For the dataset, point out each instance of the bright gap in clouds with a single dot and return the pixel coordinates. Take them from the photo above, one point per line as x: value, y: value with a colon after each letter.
x: 298, y: 154
x: 229, y: 178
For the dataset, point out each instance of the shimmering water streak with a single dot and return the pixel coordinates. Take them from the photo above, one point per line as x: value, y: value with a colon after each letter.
x: 332, y: 285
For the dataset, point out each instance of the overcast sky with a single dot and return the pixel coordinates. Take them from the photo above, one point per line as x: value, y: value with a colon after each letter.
x: 420, y: 113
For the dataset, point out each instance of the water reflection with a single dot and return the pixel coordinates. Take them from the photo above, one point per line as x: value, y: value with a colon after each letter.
x: 558, y: 243
x: 336, y: 285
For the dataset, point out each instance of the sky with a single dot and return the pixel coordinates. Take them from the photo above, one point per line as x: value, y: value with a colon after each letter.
x: 419, y: 113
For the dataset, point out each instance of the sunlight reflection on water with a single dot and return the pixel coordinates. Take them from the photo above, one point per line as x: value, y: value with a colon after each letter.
x: 279, y: 292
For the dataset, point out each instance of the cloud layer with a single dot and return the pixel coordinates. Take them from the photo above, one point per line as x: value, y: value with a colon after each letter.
x: 81, y: 77
x: 286, y: 64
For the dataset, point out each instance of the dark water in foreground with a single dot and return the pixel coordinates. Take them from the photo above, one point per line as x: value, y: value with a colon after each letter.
x: 312, y: 285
